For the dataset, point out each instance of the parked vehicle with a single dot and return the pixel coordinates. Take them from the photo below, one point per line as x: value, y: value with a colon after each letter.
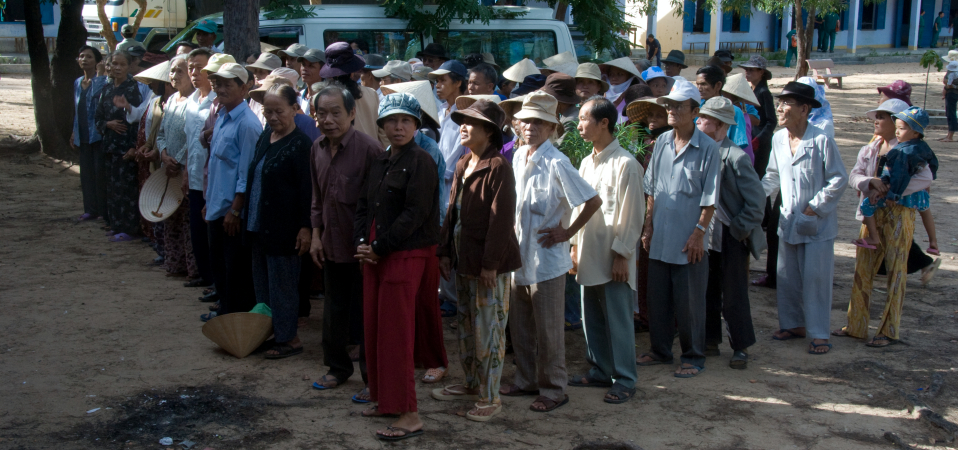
x: 163, y: 20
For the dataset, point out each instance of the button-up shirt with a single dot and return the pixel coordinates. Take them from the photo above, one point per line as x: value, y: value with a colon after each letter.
x: 197, y: 110
x: 450, y: 143
x: 171, y: 135
x: 681, y: 184
x: 234, y: 142
x: 814, y: 177
x: 91, y: 100
x: 337, y: 182
x: 614, y: 230
x: 547, y: 189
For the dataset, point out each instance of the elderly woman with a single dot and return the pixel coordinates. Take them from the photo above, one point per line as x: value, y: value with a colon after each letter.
x: 621, y: 74
x: 820, y: 117
x: 896, y: 225
x: 478, y: 239
x: 85, y: 136
x: 119, y: 140
x: 397, y: 229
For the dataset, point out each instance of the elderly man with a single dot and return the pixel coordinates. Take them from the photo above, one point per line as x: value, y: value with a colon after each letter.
x: 340, y: 161
x: 548, y: 187
x: 736, y: 232
x: 604, y: 252
x: 482, y: 80
x: 681, y: 185
x: 806, y: 166
x: 234, y: 141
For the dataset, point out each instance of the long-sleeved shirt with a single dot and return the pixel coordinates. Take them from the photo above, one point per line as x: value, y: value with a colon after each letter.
x: 866, y: 168
x: 614, y: 230
x: 450, y: 144
x: 906, y: 160
x: 680, y: 184
x: 197, y: 111
x: 89, y: 107
x: 171, y: 135
x: 337, y: 182
x: 431, y: 147
x: 813, y: 177
x: 234, y: 143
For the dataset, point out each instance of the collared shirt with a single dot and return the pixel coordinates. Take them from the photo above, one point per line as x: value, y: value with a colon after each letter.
x: 450, y: 143
x: 547, y: 189
x: 90, y: 103
x: 680, y: 185
x: 232, y: 148
x: 257, y: 109
x: 338, y: 181
x: 197, y: 110
x: 813, y: 177
x: 304, y: 100
x: 613, y: 230
x: 171, y: 135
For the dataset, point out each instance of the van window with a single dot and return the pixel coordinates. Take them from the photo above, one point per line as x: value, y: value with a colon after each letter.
x: 508, y: 47
x: 281, y: 37
x: 391, y: 44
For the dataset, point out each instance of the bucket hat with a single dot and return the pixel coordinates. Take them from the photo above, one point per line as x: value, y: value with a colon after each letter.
x: 682, y: 91
x: 623, y: 63
x: 266, y: 61
x: 520, y: 70
x: 232, y: 70
x: 218, y: 60
x: 758, y: 62
x: 529, y: 84
x: 739, y: 87
x: 512, y: 106
x: 259, y: 93
x: 465, y: 101
x: 676, y: 57
x: 561, y: 87
x: 374, y: 62
x: 538, y: 105
x: 952, y: 55
x: 724, y: 55
x: 422, y: 91
x: 800, y: 91
x: 639, y: 109
x: 897, y: 89
x: 287, y: 73
x: 490, y: 59
x: 400, y: 103
x: 720, y: 108
x: 340, y: 60
x: 915, y: 117
x: 952, y: 66
x: 591, y: 71
x: 239, y: 333
x: 483, y: 110
x: 395, y: 68
x: 160, y: 196
x: 435, y: 50
x: 891, y: 106
x: 159, y: 72
x: 451, y: 66
x: 293, y: 51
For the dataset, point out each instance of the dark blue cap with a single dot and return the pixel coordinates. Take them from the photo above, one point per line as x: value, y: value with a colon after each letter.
x: 529, y: 84
x: 451, y: 66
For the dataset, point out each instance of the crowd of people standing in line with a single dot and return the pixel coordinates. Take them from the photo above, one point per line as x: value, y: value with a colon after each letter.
x: 437, y: 187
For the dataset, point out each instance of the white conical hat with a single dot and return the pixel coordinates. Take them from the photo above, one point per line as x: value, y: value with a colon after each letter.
x: 520, y: 70
x: 739, y: 87
x: 562, y: 58
x: 422, y: 91
x: 623, y: 63
x: 161, y: 196
x: 159, y: 72
x: 239, y: 333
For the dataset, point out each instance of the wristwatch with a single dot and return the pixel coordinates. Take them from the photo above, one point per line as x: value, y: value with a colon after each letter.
x: 699, y: 226
x: 234, y: 212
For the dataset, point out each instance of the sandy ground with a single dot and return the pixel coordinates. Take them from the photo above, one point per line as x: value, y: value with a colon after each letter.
x: 88, y: 324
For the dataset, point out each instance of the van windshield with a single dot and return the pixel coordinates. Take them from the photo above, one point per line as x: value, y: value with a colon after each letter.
x: 507, y: 46
x: 391, y: 44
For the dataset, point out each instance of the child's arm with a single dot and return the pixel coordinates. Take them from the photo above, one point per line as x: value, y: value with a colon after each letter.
x: 929, y: 221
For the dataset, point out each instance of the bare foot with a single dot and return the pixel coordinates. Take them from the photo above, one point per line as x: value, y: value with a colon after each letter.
x: 687, y: 369
x: 295, y: 343
x: 819, y: 346
x: 789, y: 334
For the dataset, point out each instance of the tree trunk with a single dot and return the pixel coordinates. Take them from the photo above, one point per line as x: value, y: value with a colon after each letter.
x: 140, y: 12
x: 107, y: 31
x: 71, y: 35
x: 241, y: 28
x: 45, y: 107
x: 803, y: 33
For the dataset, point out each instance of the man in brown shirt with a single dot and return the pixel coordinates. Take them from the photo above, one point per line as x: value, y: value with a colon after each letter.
x: 340, y: 163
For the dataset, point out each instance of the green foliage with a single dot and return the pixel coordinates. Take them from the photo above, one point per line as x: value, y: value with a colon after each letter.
x: 631, y: 137
x: 931, y: 58
x: 286, y: 9
x: 774, y: 56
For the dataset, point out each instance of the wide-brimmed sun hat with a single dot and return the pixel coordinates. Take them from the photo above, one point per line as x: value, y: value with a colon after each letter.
x: 259, y: 93
x: 758, y: 62
x: 396, y: 69
x: 422, y: 91
x: 465, y: 101
x: 800, y: 91
x: 561, y: 87
x: 676, y: 57
x: 952, y: 66
x: 239, y: 333
x: 564, y: 62
x: 720, y: 108
x: 512, y: 106
x: 340, y: 60
x: 623, y: 63
x: 739, y: 87
x: 891, y: 106
x: 482, y: 110
x: 952, y: 55
x: 639, y: 109
x: 591, y: 71
x: 266, y: 61
x: 490, y: 59
x: 159, y: 72
x: 520, y: 70
x: 287, y: 73
x: 400, y: 103
x: 538, y: 105
x: 160, y: 196
x: 217, y: 60
x: 899, y: 89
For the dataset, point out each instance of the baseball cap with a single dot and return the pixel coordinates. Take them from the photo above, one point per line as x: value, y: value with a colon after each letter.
x: 232, y: 70
x: 451, y: 66
x: 206, y: 25
x: 217, y: 60
x: 314, y: 55
x: 681, y: 91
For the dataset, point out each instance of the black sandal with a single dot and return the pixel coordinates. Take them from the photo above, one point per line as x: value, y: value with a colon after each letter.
x: 622, y: 394
x: 284, y: 351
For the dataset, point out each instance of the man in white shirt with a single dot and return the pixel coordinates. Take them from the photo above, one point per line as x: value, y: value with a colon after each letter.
x: 548, y: 187
x: 604, y: 254
x: 198, y: 109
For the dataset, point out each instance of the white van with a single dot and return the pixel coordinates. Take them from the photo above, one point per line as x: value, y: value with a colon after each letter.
x: 536, y: 35
x: 163, y: 20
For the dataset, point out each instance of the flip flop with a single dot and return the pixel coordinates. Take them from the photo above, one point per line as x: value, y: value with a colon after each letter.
x: 689, y: 375
x: 622, y: 394
x: 739, y: 360
x: 121, y: 237
x: 475, y: 418
x: 887, y: 339
x: 546, y: 401
x: 321, y: 387
x: 85, y: 216
x: 590, y: 382
x: 285, y: 351
x: 653, y: 362
x: 406, y: 434
x: 356, y: 398
x: 434, y: 378
x: 841, y: 332
x: 815, y: 346
x: 861, y: 243
x: 790, y: 335
x: 455, y: 394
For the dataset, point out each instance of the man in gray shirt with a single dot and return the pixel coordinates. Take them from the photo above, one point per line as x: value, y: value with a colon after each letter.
x: 682, y: 188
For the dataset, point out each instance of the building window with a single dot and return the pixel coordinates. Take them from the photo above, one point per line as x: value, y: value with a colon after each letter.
x: 868, y: 16
x: 698, y: 23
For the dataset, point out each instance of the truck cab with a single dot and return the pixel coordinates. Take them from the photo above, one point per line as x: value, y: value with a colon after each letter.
x: 163, y: 20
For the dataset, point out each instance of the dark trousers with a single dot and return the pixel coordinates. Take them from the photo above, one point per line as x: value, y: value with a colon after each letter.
x: 232, y: 264
x: 430, y: 350
x: 727, y: 295
x: 344, y: 294
x: 93, y: 179
x: 199, y: 236
x: 773, y: 212
x: 677, y: 294
x: 276, y: 279
x: 917, y: 260
x: 951, y: 110
x: 306, y: 276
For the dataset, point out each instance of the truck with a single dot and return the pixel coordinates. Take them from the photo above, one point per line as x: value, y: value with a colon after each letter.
x: 163, y: 20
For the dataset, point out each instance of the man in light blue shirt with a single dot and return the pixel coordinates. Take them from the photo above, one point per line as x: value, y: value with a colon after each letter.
x: 231, y: 150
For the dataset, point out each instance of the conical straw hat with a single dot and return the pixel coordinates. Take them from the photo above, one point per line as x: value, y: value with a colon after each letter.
x: 623, y: 63
x: 422, y: 91
x: 159, y: 72
x: 562, y: 58
x: 739, y: 87
x: 239, y: 333
x: 520, y: 70
x: 161, y: 196
x: 465, y: 101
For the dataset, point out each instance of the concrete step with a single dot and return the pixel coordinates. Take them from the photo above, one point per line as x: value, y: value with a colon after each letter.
x: 15, y: 68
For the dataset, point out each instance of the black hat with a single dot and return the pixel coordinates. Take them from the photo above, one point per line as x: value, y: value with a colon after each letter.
x: 435, y: 50
x: 529, y: 84
x: 801, y: 92
x: 676, y: 57
x: 724, y: 55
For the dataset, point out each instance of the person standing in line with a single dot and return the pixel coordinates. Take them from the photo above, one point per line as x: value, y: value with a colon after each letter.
x: 548, y: 188
x: 603, y: 254
x: 807, y: 168
x: 290, y: 57
x: 197, y: 110
x: 86, y: 138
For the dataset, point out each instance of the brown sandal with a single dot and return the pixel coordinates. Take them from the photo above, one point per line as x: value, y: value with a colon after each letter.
x: 549, y: 403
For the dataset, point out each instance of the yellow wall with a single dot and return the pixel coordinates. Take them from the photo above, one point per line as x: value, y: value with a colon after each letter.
x: 669, y: 31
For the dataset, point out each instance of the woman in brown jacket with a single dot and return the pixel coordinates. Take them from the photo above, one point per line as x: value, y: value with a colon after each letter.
x: 478, y: 239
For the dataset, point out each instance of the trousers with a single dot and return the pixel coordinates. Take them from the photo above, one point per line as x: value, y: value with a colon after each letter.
x: 610, y: 332
x: 482, y: 317
x: 805, y: 274
x: 275, y: 280
x: 232, y: 266
x: 343, y: 291
x: 538, y: 337
x: 678, y: 296
x: 93, y: 179
x: 430, y: 349
x: 773, y: 213
x: 789, y: 54
x: 727, y: 295
x: 199, y: 235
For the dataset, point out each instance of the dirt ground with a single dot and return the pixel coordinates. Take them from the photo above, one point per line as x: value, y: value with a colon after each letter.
x: 101, y: 350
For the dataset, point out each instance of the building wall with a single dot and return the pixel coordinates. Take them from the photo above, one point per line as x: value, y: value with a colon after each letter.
x: 18, y: 30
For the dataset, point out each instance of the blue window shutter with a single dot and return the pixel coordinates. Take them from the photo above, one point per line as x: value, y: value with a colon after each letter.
x: 744, y: 23
x: 688, y: 15
x: 707, y: 18
x: 880, y: 15
x: 861, y: 12
x: 727, y: 21
x: 843, y: 18
x: 46, y: 13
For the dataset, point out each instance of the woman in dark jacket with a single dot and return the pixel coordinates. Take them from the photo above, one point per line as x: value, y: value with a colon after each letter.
x: 119, y: 142
x: 396, y: 232
x: 478, y: 239
x: 278, y: 225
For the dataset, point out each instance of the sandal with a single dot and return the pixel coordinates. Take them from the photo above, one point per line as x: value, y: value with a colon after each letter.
x: 698, y: 370
x: 477, y: 418
x: 622, y: 394
x: 739, y: 360
x: 406, y: 434
x: 841, y: 332
x: 454, y: 392
x: 549, y: 403
x: 365, y: 392
x: 653, y: 362
x: 284, y: 351
x: 885, y: 339
x: 196, y: 282
x: 85, y: 216
x: 789, y: 335
x: 589, y: 382
x: 326, y: 378
x: 929, y: 272
x: 434, y: 375
x: 813, y: 347
x: 512, y: 390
